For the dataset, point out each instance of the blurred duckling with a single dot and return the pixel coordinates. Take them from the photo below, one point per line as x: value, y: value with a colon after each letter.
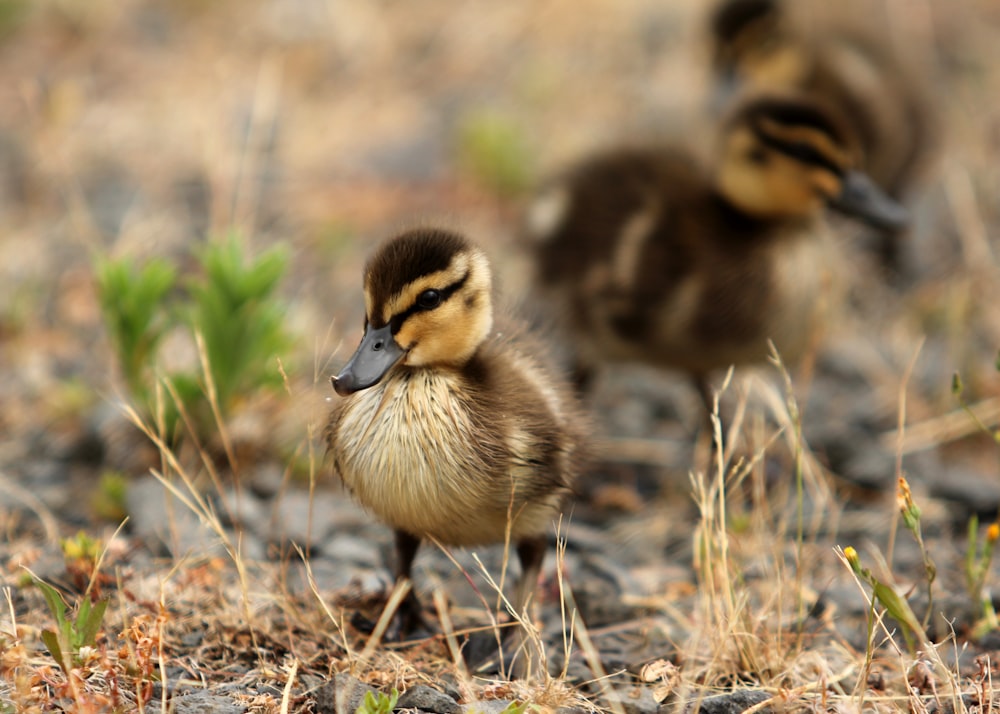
x: 452, y: 428
x: 649, y: 256
x: 761, y: 45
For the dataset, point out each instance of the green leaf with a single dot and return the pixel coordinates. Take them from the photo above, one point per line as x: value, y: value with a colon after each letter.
x: 88, y: 622
x: 54, y: 600
x: 899, y: 609
x: 51, y: 640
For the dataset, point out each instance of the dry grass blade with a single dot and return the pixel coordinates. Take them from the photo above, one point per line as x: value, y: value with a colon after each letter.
x: 448, y: 629
x: 592, y: 655
x: 900, y: 431
x: 344, y: 643
x: 399, y: 592
x: 197, y: 504
x: 286, y: 694
x: 45, y: 516
x: 213, y: 400
x: 946, y: 428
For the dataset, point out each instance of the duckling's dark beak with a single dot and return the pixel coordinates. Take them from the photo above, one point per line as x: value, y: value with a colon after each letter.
x: 861, y: 197
x: 375, y: 356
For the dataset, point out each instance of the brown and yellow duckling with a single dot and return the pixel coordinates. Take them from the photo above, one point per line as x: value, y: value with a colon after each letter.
x: 649, y: 256
x: 452, y: 428
x: 763, y: 45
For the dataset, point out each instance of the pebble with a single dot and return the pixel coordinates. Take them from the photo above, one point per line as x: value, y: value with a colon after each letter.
x: 978, y: 493
x: 156, y: 516
x: 486, y: 706
x: 734, y: 702
x: 427, y: 699
x: 199, y: 703
x: 636, y: 700
x: 341, y: 695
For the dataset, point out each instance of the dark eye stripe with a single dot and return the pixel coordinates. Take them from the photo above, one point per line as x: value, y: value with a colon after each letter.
x: 398, y: 319
x: 800, y: 151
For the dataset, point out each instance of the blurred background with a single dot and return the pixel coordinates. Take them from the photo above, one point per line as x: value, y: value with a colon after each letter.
x: 139, y: 130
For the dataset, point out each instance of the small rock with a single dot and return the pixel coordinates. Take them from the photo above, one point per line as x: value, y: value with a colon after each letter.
x: 978, y: 492
x: 870, y: 467
x: 347, y: 548
x: 156, y: 515
x: 342, y: 695
x: 427, y: 699
x: 301, y: 519
x: 486, y: 706
x: 265, y: 479
x: 636, y: 700
x: 240, y: 507
x: 199, y: 703
x: 732, y: 703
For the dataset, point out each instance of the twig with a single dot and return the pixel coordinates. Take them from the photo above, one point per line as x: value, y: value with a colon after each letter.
x: 946, y: 428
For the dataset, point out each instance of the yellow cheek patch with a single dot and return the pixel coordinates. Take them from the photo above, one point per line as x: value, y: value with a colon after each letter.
x: 444, y: 335
x: 827, y: 184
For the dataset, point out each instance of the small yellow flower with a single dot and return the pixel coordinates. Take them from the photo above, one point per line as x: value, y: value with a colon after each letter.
x: 909, y: 509
x: 993, y: 533
x: 852, y: 559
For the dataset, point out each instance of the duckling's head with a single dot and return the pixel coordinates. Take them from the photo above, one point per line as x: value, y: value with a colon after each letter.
x: 427, y: 304
x: 787, y: 157
x: 752, y: 42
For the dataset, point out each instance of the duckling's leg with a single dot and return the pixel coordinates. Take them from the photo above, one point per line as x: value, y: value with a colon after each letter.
x: 531, y: 553
x: 583, y: 378
x: 409, y: 617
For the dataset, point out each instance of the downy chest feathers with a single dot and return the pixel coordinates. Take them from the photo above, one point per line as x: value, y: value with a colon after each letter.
x: 415, y: 451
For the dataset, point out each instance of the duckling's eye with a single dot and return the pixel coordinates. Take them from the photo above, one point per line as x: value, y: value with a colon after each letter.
x: 807, y: 154
x: 757, y: 155
x: 428, y: 299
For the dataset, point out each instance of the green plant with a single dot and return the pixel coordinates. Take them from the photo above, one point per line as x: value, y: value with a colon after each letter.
x: 82, y: 555
x: 12, y: 16
x: 108, y: 499
x: 132, y: 303
x: 911, y: 519
x: 378, y: 703
x: 233, y: 307
x: 977, y: 566
x: 957, y: 389
x: 894, y: 603
x: 493, y: 148
x: 229, y: 307
x: 67, y: 642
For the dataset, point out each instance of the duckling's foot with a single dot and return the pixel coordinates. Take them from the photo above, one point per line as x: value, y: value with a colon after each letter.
x: 407, y: 623
x: 512, y: 656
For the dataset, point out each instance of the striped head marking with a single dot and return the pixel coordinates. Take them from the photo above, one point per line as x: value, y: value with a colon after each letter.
x: 427, y: 303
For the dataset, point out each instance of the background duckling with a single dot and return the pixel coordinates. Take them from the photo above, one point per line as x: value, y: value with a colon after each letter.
x: 451, y: 429
x: 765, y: 45
x: 649, y: 256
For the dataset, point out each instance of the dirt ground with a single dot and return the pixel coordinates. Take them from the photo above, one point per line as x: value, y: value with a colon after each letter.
x: 143, y: 129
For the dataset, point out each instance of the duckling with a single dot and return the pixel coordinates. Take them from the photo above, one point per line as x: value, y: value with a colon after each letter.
x: 451, y: 428
x: 763, y: 45
x: 650, y: 256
